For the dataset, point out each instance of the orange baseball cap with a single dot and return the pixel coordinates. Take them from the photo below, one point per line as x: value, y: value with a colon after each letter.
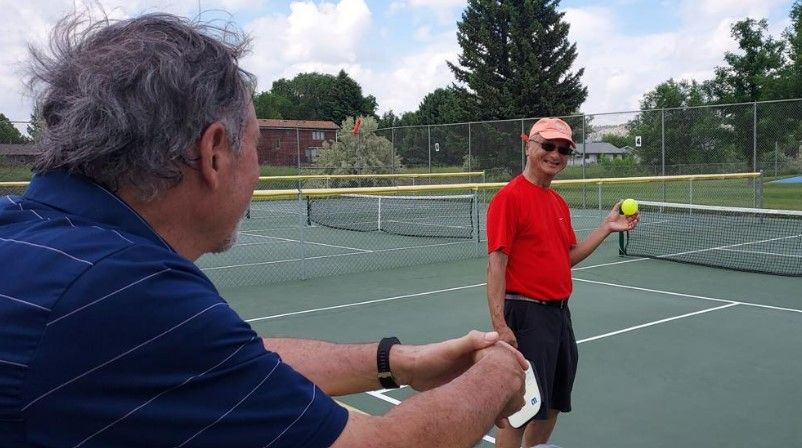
x: 552, y: 129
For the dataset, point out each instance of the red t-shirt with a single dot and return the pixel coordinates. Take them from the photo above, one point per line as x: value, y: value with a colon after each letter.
x: 532, y: 226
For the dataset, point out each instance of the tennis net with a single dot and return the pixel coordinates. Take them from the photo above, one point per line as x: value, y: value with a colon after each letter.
x: 744, y: 239
x: 448, y: 216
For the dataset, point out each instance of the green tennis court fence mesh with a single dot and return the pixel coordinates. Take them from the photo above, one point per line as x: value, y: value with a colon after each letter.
x: 744, y: 239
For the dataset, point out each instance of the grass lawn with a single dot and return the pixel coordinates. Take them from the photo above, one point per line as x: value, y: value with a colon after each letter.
x: 782, y: 196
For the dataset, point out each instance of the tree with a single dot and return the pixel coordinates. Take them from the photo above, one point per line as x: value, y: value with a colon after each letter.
x: 361, y: 153
x: 270, y: 105
x: 441, y: 107
x: 619, y: 141
x: 314, y: 96
x: 348, y: 99
x: 752, y: 75
x: 693, y: 138
x: 516, y: 60
x: 793, y: 38
x: 9, y: 133
x: 388, y: 120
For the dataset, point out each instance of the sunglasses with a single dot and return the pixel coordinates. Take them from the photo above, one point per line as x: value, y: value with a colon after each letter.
x: 549, y: 147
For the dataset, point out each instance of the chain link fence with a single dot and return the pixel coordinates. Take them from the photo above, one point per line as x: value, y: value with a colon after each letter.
x: 763, y: 136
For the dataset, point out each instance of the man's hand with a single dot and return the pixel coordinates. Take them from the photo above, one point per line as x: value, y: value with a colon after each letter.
x: 424, y: 367
x: 617, y: 222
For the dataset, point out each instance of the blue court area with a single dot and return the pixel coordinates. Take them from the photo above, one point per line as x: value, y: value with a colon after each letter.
x: 788, y: 180
x: 671, y: 354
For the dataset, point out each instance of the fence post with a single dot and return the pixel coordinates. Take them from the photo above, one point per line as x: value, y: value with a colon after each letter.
x: 584, y: 150
x: 470, y: 156
x: 754, y: 137
x: 392, y: 152
x: 429, y: 136
x: 298, y: 148
x: 663, y: 148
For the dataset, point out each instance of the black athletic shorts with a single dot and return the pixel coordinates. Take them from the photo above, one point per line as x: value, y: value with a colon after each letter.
x: 546, y: 338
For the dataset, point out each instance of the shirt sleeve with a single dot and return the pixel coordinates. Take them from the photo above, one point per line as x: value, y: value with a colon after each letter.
x: 500, y: 223
x: 158, y: 358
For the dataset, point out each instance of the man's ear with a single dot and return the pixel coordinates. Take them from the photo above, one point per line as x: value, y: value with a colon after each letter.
x: 213, y: 146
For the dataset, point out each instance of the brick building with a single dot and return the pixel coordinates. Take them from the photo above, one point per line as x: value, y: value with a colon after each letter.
x: 283, y: 142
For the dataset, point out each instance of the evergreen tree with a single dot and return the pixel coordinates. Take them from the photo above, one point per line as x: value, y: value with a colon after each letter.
x: 516, y: 60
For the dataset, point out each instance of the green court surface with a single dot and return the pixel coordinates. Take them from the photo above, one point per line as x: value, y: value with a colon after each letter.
x: 671, y: 355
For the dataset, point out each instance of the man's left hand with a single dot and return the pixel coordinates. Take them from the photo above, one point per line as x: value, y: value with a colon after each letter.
x: 427, y: 366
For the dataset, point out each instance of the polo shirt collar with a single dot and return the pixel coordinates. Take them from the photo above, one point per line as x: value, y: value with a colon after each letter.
x: 80, y: 196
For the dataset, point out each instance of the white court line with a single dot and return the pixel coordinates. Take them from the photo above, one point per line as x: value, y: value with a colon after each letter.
x: 692, y: 296
x: 305, y: 242
x: 729, y: 246
x: 628, y: 260
x: 319, y: 257
x: 760, y: 252
x: 380, y: 395
x: 478, y: 285
x: 728, y: 304
x: 656, y: 322
x: 366, y: 302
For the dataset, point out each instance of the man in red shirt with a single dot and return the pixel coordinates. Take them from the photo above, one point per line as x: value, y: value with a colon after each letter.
x: 532, y: 247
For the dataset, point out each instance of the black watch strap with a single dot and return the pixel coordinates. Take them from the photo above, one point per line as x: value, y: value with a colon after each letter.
x: 383, y: 363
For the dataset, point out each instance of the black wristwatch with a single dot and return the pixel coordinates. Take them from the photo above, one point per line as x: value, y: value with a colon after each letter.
x: 383, y: 363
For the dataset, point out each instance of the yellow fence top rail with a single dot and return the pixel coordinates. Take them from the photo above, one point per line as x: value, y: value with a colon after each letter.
x: 317, y: 192
x: 371, y: 176
x: 322, y: 192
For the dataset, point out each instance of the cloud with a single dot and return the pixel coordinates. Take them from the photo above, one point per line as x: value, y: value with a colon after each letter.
x: 318, y: 36
x: 443, y: 10
x: 620, y: 68
x: 31, y: 22
x: 403, y: 87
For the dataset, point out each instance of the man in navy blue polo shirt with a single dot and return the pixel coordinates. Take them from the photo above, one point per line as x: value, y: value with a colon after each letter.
x: 110, y: 336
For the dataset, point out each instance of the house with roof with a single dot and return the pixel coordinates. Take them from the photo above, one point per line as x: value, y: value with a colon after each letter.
x: 18, y: 153
x: 293, y: 142
x: 595, y: 151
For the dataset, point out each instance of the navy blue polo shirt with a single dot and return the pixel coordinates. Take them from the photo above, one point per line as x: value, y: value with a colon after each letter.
x: 109, y: 338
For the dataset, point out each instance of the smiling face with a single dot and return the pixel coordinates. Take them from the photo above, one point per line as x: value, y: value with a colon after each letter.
x: 541, y: 165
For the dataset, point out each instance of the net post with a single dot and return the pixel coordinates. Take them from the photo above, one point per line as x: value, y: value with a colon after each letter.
x: 379, y: 214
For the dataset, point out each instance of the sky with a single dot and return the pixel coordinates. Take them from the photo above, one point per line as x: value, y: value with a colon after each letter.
x: 397, y: 49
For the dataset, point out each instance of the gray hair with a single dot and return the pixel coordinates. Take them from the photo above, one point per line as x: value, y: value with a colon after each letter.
x: 124, y: 102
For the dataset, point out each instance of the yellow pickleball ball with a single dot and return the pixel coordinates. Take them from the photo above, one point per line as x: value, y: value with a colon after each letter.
x: 629, y: 207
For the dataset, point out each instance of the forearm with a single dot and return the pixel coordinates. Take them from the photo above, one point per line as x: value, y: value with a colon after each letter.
x: 589, y: 244
x: 338, y: 369
x: 496, y: 288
